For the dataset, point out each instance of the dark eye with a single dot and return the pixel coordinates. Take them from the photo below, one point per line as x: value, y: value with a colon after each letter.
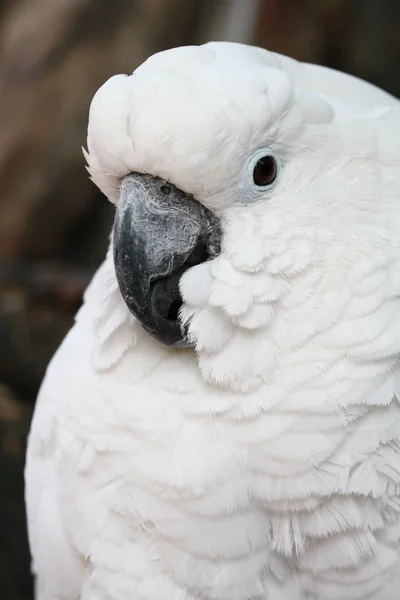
x: 265, y: 171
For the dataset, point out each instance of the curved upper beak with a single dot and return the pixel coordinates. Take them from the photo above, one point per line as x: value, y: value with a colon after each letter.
x: 159, y: 232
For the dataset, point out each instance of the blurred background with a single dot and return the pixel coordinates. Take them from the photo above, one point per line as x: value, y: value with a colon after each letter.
x: 54, y: 224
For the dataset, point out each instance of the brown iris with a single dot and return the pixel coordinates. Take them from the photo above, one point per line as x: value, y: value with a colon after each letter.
x: 265, y: 171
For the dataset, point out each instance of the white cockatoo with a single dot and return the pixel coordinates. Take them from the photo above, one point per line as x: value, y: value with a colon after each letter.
x: 223, y: 420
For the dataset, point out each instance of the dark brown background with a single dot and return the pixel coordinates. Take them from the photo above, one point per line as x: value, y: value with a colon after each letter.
x: 53, y: 222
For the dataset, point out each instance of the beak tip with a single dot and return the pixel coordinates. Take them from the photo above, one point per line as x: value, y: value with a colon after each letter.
x: 170, y: 333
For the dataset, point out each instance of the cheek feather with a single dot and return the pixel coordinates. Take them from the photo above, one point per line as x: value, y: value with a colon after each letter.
x: 308, y: 302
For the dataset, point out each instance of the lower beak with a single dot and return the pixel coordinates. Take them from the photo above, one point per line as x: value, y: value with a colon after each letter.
x: 159, y: 233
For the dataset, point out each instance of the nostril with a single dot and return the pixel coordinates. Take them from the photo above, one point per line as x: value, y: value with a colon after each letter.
x: 165, y: 189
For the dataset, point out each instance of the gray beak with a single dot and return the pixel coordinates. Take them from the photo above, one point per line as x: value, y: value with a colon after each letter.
x: 159, y: 233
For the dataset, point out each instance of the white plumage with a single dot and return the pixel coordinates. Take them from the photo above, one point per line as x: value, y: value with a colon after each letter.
x: 265, y: 462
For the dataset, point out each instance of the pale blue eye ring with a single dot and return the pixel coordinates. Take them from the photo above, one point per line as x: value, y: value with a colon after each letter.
x: 262, y: 172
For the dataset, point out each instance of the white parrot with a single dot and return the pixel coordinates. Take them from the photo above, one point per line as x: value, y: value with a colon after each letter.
x: 223, y: 420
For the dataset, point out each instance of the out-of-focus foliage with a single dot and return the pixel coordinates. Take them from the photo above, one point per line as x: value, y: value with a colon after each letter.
x: 54, y: 224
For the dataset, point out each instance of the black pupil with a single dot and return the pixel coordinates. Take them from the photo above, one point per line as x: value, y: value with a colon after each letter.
x: 265, y: 171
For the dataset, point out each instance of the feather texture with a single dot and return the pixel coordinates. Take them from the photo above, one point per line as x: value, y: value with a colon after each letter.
x: 264, y: 463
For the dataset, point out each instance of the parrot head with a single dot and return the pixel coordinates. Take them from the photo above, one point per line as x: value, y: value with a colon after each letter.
x: 234, y: 190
